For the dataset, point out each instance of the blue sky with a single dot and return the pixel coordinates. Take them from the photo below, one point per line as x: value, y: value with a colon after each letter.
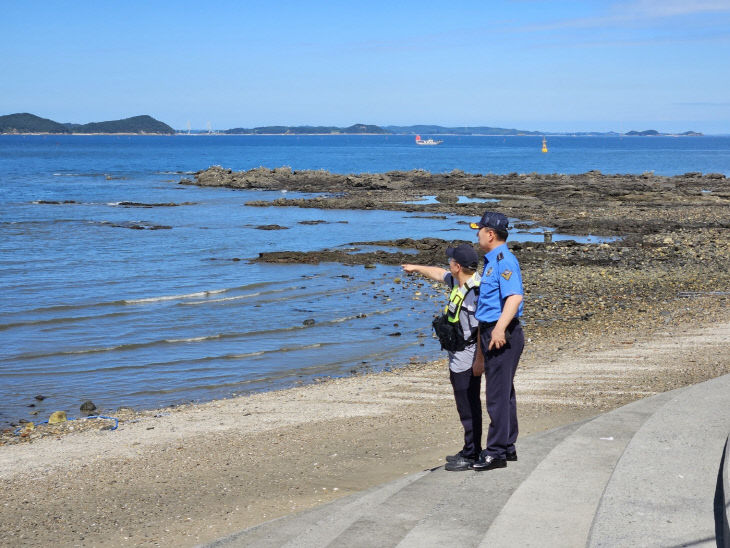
x: 532, y: 64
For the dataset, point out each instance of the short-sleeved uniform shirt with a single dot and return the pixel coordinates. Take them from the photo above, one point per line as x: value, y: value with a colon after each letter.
x: 500, y: 279
x: 462, y: 360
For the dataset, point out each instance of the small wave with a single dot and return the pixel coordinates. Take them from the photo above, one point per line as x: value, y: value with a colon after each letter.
x: 40, y: 222
x: 142, y: 300
x: 52, y: 321
x: 79, y: 174
x: 289, y: 297
x: 275, y: 350
x: 246, y: 355
x: 135, y: 346
x: 225, y: 299
x: 175, y: 297
x: 193, y: 339
x: 203, y: 338
x: 117, y: 348
x: 239, y: 297
x: 61, y: 307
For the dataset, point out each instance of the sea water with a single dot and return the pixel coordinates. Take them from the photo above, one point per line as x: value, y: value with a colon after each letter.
x: 144, y: 307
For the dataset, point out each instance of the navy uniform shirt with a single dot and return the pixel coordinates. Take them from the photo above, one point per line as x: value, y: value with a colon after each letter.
x: 501, y: 278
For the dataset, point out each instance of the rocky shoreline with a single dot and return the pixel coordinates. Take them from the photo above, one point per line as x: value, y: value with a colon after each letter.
x: 670, y: 234
x: 587, y: 203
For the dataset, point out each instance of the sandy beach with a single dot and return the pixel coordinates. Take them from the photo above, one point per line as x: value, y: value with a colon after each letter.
x: 186, y: 475
x: 605, y: 323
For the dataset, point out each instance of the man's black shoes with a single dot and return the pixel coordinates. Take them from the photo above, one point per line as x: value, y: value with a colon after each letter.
x: 460, y: 463
x: 484, y: 463
x: 512, y: 456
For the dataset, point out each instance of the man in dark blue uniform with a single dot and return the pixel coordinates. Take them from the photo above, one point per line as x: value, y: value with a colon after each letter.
x: 501, y: 339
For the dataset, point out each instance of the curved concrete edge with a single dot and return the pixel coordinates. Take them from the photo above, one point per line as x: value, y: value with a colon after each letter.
x: 664, y: 488
x: 321, y: 525
x: 388, y: 523
x: 462, y: 515
x: 282, y: 530
x: 726, y: 494
x: 556, y: 504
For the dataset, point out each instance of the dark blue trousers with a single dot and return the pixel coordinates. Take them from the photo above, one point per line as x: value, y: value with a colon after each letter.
x: 500, y: 367
x: 469, y: 406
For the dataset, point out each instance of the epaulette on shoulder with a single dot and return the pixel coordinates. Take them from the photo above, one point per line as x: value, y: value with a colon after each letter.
x: 500, y: 256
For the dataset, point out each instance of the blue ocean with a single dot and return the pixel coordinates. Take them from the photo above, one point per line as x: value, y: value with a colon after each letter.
x: 94, y: 308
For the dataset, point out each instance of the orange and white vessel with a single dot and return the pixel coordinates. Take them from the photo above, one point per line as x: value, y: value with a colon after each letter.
x: 426, y: 142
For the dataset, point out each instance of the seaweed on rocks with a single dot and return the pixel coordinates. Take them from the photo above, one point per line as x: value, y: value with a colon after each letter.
x: 590, y: 202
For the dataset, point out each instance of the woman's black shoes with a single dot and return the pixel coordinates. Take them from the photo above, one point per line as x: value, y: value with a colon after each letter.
x: 459, y: 455
x: 460, y: 463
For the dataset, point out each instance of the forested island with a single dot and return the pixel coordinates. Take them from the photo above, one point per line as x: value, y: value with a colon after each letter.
x: 30, y: 123
x: 654, y: 133
x: 377, y: 130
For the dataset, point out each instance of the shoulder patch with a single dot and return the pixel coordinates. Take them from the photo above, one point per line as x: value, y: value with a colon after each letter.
x: 489, y: 271
x: 507, y: 274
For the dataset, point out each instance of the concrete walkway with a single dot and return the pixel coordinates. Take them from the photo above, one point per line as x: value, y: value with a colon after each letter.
x: 651, y: 473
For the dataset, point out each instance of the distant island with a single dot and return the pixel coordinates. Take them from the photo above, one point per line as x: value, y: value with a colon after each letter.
x: 422, y: 129
x: 653, y: 132
x: 302, y: 130
x: 146, y: 125
x: 30, y: 123
x: 377, y: 130
x: 463, y: 130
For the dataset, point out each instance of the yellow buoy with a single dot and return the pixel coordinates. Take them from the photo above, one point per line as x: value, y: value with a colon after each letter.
x: 544, y: 145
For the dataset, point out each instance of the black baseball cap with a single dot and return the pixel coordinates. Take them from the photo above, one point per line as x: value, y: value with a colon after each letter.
x: 464, y: 255
x: 492, y: 219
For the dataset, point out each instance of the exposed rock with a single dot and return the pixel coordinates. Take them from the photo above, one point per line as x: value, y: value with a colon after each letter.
x: 591, y: 202
x: 88, y: 406
x: 140, y: 225
x: 447, y: 198
x: 142, y: 204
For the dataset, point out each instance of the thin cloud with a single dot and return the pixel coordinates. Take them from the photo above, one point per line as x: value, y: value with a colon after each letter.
x: 624, y: 43
x: 673, y: 8
x: 633, y: 12
x: 703, y: 104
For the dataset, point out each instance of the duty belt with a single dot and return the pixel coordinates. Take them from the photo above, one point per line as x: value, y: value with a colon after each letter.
x: 486, y: 325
